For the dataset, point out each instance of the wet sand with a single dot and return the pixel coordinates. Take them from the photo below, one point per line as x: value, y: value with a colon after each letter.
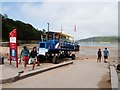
x: 90, y: 52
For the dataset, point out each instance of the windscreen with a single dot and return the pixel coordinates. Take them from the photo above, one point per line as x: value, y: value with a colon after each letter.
x: 42, y: 45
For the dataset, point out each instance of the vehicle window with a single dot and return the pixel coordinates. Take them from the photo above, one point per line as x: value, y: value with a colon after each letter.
x: 42, y: 45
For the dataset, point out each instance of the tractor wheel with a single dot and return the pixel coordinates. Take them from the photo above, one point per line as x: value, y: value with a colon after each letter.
x: 73, y: 57
x: 55, y: 60
x: 118, y: 67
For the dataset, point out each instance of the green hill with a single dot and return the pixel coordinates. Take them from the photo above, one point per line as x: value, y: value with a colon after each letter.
x: 25, y: 31
x: 102, y: 39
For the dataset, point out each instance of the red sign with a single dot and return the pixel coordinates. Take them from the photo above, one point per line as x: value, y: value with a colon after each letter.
x: 13, y: 47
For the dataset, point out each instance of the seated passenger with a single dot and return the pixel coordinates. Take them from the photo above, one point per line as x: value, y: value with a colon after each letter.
x: 57, y: 37
x: 50, y: 37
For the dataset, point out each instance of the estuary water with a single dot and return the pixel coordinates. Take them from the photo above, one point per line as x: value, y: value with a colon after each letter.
x: 107, y: 44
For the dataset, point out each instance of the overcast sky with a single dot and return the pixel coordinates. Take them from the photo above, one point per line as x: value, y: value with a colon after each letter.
x: 91, y: 17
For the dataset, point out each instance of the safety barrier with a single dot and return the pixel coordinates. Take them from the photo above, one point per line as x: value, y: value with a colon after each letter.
x: 114, y: 78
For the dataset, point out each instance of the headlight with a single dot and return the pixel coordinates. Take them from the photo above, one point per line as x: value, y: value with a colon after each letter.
x: 52, y: 54
x: 56, y: 54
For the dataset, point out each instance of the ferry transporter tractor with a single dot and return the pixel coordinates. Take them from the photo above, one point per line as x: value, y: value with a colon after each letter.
x: 55, y: 46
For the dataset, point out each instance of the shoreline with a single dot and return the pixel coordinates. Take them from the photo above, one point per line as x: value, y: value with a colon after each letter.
x: 85, y: 51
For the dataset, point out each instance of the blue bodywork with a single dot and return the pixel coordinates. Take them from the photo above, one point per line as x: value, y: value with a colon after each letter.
x: 50, y: 44
x: 54, y: 46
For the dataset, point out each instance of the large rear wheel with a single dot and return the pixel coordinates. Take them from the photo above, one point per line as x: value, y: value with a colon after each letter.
x: 73, y: 57
x: 55, y: 59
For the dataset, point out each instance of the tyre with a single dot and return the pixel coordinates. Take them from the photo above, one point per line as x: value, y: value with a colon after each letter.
x: 118, y: 67
x: 73, y: 57
x: 55, y: 60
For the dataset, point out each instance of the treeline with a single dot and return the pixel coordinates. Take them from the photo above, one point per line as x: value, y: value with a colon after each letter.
x: 25, y: 31
x: 102, y: 39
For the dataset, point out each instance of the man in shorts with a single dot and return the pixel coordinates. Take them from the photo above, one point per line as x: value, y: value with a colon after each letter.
x: 25, y: 56
x: 106, y: 53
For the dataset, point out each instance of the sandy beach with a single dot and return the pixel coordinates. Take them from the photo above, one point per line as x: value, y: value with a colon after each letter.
x: 90, y: 52
x: 85, y: 53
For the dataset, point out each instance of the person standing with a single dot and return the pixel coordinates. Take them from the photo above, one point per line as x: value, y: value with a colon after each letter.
x: 99, y: 55
x: 25, y: 56
x: 106, y: 53
x: 33, y: 56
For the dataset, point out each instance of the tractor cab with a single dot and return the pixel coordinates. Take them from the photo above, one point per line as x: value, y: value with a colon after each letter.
x: 50, y: 40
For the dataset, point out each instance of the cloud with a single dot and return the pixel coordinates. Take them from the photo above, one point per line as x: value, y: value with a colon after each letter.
x: 90, y: 18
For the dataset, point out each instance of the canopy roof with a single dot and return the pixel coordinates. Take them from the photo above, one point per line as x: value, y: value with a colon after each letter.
x: 62, y: 34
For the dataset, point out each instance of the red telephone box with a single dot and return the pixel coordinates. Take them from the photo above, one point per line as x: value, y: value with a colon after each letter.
x: 13, y: 47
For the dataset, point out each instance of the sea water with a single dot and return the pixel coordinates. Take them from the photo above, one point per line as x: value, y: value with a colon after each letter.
x: 107, y: 44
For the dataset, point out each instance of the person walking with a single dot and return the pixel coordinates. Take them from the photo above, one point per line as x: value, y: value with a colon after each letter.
x: 25, y: 56
x: 99, y: 55
x: 33, y: 56
x: 106, y: 53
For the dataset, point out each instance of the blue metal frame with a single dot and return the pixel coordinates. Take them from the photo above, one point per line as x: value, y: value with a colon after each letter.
x: 50, y: 44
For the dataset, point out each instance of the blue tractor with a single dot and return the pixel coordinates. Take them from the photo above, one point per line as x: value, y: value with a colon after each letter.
x: 55, y: 46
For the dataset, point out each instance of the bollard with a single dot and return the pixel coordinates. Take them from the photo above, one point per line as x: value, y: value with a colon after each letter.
x: 114, y: 78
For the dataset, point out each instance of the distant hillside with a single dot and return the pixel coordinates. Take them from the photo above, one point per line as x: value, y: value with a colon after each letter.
x: 102, y: 39
x: 25, y: 31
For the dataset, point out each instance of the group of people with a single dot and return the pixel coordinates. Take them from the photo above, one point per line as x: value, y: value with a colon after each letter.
x: 25, y: 55
x: 105, y: 52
